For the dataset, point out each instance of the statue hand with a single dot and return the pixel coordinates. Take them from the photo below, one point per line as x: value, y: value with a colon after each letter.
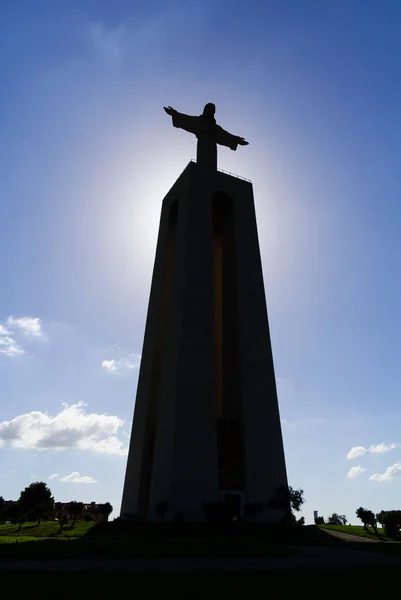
x: 169, y: 110
x: 242, y: 142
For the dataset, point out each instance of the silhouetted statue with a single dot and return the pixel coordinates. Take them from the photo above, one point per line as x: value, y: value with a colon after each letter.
x: 207, y: 131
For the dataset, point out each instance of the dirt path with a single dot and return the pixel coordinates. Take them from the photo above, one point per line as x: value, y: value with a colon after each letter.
x: 347, y: 537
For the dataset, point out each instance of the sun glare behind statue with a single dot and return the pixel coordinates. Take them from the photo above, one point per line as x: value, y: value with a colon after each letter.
x: 135, y: 220
x: 138, y: 187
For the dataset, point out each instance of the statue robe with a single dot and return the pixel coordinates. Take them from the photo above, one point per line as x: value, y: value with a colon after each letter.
x: 209, y: 134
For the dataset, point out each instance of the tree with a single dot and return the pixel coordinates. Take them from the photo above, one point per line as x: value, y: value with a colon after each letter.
x: 62, y: 520
x: 367, y: 517
x: 391, y: 521
x: 13, y: 512
x: 286, y: 499
x: 74, y: 508
x: 336, y: 519
x: 21, y: 521
x: 381, y: 517
x: 161, y: 508
x: 253, y: 509
x: 31, y: 516
x: 40, y: 510
x: 105, y: 509
x: 37, y: 497
x: 296, y: 498
x: 319, y: 521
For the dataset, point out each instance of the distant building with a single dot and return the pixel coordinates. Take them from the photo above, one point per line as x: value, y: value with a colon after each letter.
x: 91, y: 508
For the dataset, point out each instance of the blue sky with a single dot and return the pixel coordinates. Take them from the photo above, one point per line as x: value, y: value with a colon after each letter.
x: 87, y: 155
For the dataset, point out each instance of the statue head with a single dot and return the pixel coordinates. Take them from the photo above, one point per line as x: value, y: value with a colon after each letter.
x: 209, y: 110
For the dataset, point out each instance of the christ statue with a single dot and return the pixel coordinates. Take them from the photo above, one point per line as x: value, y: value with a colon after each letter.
x: 207, y: 131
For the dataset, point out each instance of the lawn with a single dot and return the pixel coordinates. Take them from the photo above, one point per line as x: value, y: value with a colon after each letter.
x: 10, y: 539
x: 356, y: 530
x: 47, y: 529
x: 120, y: 540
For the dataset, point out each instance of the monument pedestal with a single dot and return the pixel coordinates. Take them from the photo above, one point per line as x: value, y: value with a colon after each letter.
x: 206, y: 427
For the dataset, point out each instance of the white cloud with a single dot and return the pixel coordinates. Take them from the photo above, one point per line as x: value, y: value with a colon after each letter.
x: 72, y: 427
x: 355, y: 471
x: 356, y: 452
x: 29, y: 325
x: 390, y: 473
x: 75, y: 477
x: 9, y: 346
x: 109, y: 445
x: 6, y: 340
x: 380, y: 448
x: 122, y: 365
x: 109, y: 365
x: 53, y: 476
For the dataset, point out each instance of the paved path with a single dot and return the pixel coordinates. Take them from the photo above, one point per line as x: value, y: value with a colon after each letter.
x: 347, y: 537
x: 317, y: 557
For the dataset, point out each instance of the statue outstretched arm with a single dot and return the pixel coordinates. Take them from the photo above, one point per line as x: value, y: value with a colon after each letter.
x: 169, y: 110
x: 186, y: 122
x: 224, y: 138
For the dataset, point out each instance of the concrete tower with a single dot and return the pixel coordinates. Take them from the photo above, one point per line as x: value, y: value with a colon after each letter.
x: 206, y: 426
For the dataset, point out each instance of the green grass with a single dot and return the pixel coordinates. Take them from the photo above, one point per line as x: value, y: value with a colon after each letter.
x: 356, y: 530
x: 9, y: 539
x: 47, y: 529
